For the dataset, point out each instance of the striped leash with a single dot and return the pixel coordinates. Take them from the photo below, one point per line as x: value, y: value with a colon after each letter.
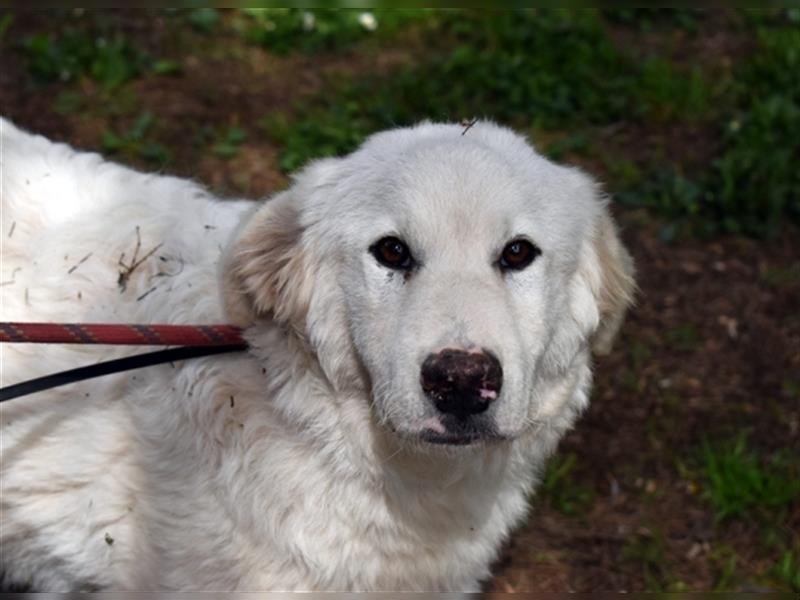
x: 193, y: 340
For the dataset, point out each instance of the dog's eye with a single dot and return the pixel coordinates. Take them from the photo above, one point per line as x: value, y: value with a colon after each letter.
x: 517, y: 255
x: 392, y: 253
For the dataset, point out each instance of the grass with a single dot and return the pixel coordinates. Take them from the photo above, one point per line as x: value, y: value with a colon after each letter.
x: 533, y: 69
x: 552, y: 69
x: 754, y: 183
x: 758, y: 182
x: 109, y: 61
x: 561, y: 75
x: 649, y: 19
x: 682, y: 338
x: 229, y: 142
x: 311, y: 31
x: 740, y: 483
x: 724, y: 560
x: 786, y: 570
x: 138, y: 142
x: 560, y: 487
x: 648, y: 552
x: 778, y: 277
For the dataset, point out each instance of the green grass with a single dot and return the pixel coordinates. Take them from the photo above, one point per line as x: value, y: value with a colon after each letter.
x: 285, y: 30
x: 6, y: 20
x: 724, y: 560
x: 561, y: 489
x: 648, y: 552
x: 649, y: 19
x: 229, y: 142
x: 754, y: 184
x: 204, y: 19
x: 786, y: 570
x: 138, y: 142
x: 682, y: 338
x: 741, y: 483
x: 110, y: 61
x: 757, y: 175
x: 565, y: 76
x: 558, y: 70
x: 534, y: 69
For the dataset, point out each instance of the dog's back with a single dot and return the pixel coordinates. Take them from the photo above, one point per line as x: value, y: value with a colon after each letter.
x: 85, y: 240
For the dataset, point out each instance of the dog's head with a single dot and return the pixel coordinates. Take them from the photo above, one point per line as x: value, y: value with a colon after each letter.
x: 460, y: 279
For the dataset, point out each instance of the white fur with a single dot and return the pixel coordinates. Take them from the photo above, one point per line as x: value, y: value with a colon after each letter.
x: 298, y: 465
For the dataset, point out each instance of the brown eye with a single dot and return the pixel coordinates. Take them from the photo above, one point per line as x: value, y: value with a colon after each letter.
x: 518, y: 254
x: 392, y: 253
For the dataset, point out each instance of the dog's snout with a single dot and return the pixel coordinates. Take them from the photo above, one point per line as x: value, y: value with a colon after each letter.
x: 461, y: 383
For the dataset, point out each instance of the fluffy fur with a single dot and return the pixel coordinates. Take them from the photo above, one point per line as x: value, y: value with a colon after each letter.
x: 298, y: 465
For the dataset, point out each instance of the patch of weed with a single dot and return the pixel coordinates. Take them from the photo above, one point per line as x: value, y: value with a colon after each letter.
x: 664, y: 93
x: 568, y: 144
x: 229, y: 142
x: 68, y: 101
x: 540, y: 69
x: 5, y: 23
x: 534, y: 69
x: 742, y: 484
x: 561, y: 490
x: 330, y: 133
x: 754, y: 184
x: 110, y: 61
x: 670, y: 193
x: 648, y: 19
x: 787, y: 569
x: 683, y: 338
x: 284, y: 30
x: 648, y: 550
x: 167, y: 67
x: 781, y: 276
x: 791, y: 388
x: 204, y: 19
x: 136, y: 142
x: 723, y: 560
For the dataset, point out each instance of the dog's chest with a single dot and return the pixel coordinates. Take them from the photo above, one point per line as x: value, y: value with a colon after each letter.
x: 366, y: 539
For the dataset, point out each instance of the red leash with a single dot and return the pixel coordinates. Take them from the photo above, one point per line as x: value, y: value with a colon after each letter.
x: 128, y: 335
x: 193, y: 341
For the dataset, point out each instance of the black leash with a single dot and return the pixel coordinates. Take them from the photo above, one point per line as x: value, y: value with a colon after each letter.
x: 113, y: 366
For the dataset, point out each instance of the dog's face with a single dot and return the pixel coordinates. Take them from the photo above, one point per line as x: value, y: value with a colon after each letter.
x: 464, y: 275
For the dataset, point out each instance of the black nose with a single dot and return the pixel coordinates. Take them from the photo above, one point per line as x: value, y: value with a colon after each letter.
x: 461, y: 383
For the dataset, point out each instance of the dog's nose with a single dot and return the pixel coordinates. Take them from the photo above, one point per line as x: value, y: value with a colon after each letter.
x: 461, y: 383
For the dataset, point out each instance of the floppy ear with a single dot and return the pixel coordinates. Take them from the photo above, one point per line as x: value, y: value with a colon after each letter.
x: 266, y: 272
x: 607, y: 271
x: 617, y: 285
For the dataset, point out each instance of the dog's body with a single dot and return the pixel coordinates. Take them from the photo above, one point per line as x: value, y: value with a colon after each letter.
x: 314, y: 461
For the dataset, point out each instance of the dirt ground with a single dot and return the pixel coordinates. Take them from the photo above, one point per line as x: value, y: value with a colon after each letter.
x: 711, y: 350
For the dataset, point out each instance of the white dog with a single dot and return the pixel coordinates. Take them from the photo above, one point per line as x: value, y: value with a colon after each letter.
x: 420, y: 314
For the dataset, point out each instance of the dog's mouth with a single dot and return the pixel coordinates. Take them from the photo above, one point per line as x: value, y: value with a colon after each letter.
x: 451, y: 431
x: 456, y: 439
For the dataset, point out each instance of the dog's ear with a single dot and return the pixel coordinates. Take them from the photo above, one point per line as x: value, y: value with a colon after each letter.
x: 617, y: 285
x: 265, y: 272
x: 606, y: 269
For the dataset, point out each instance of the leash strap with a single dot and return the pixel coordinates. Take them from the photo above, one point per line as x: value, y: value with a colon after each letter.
x: 114, y: 366
x: 120, y: 334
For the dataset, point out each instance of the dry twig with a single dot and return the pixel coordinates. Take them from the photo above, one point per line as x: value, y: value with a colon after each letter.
x: 147, y: 293
x: 80, y: 262
x: 127, y: 270
x: 467, y: 124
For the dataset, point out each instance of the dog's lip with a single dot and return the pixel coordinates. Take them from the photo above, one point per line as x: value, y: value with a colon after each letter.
x: 459, y: 439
